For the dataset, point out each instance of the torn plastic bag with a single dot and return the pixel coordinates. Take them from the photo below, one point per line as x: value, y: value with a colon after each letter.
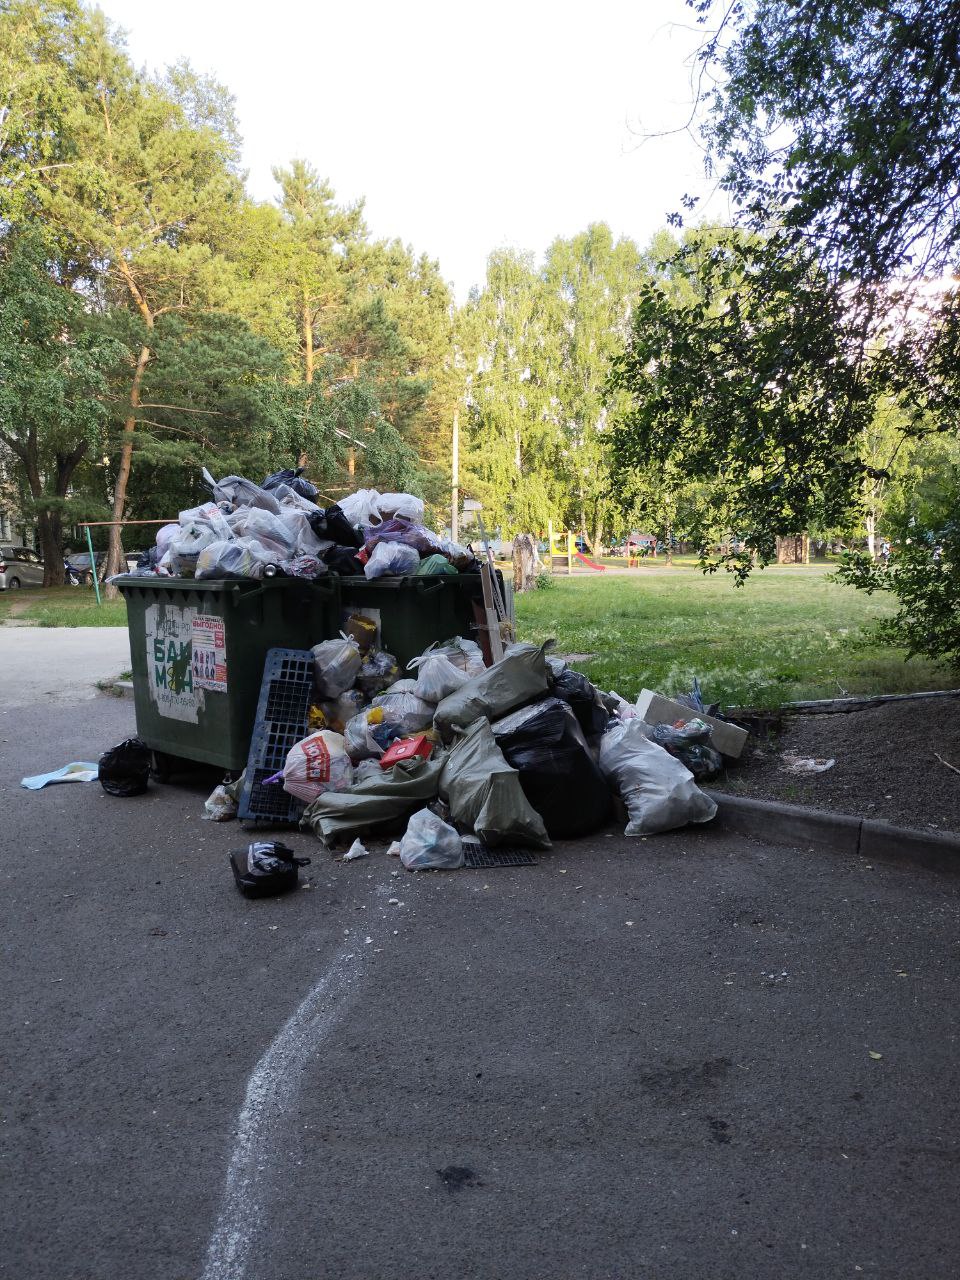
x: 401, y: 504
x: 406, y: 710
x: 265, y: 868
x: 240, y: 492
x: 430, y: 844
x: 124, y: 770
x: 574, y: 688
x: 316, y: 764
x: 361, y: 508
x: 391, y: 559
x: 333, y: 524
x: 338, y: 711
x: 404, y: 532
x: 559, y: 776
x: 437, y: 676
x: 459, y: 556
x: 659, y: 792
x: 517, y: 678
x: 379, y: 800
x: 484, y: 792
x: 336, y: 664
x: 377, y: 672
x: 294, y: 480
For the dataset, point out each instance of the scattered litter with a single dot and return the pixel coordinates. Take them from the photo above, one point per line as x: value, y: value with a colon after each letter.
x: 394, y: 851
x: 804, y: 764
x: 356, y: 850
x: 124, y: 770
x: 874, y: 1055
x: 219, y: 806
x: 430, y: 842
x: 946, y: 763
x: 76, y: 771
x: 266, y: 868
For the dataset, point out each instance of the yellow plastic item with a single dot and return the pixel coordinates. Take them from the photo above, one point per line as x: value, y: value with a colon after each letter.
x: 316, y: 719
x: 375, y: 715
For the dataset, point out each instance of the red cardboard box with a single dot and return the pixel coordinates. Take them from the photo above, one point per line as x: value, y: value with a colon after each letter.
x: 405, y: 749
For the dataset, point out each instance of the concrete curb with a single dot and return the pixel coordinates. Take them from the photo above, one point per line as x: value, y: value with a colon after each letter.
x: 837, y: 832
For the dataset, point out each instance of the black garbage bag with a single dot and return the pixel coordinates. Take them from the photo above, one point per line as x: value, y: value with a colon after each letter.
x: 576, y: 690
x: 334, y: 526
x: 124, y: 770
x: 691, y: 745
x: 343, y: 560
x: 265, y: 868
x: 558, y: 774
x: 295, y: 481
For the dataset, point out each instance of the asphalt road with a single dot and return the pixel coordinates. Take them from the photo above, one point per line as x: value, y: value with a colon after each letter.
x: 59, y: 665
x: 635, y: 1059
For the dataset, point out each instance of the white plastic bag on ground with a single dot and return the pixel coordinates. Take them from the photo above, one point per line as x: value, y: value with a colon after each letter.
x: 437, y: 675
x: 659, y: 792
x: 430, y: 843
x: 361, y: 508
x: 401, y: 504
x: 391, y: 559
x: 336, y: 664
x: 317, y: 764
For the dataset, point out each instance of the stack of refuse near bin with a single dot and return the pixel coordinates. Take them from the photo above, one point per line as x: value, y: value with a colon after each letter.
x: 514, y: 755
x: 250, y: 530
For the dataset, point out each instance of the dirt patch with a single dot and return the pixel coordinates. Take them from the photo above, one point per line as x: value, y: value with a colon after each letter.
x: 886, y: 764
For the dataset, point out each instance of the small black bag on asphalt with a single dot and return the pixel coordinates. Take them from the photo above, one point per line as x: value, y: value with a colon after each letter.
x: 265, y: 868
x: 124, y: 770
x: 559, y: 776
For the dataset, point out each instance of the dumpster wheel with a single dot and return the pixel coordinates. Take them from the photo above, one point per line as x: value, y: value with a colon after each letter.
x: 164, y: 766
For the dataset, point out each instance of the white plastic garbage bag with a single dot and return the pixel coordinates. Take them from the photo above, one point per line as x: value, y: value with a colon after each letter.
x: 361, y: 508
x: 430, y: 842
x: 240, y: 492
x: 238, y: 558
x: 392, y: 559
x: 269, y: 529
x: 165, y: 537
x: 437, y: 675
x: 465, y: 654
x: 406, y: 711
x: 659, y: 791
x: 317, y: 764
x: 401, y: 504
x: 336, y: 664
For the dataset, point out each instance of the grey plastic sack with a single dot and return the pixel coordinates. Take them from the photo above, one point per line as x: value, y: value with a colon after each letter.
x: 484, y: 792
x: 377, y: 800
x: 430, y: 844
x: 659, y: 792
x: 517, y: 678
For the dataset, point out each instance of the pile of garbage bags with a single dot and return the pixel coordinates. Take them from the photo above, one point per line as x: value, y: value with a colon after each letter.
x: 520, y: 753
x: 250, y: 530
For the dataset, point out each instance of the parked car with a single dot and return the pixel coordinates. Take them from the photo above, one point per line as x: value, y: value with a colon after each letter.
x: 19, y: 567
x: 79, y: 564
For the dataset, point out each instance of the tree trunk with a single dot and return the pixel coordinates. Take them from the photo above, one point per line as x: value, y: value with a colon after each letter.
x: 50, y: 528
x: 870, y: 521
x: 526, y: 562
x: 115, y: 546
x: 307, y: 340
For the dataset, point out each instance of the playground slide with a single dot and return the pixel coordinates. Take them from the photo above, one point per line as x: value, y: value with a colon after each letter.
x: 591, y: 564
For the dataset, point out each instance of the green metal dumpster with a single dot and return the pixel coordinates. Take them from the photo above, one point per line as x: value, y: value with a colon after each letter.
x: 413, y: 612
x: 198, y: 650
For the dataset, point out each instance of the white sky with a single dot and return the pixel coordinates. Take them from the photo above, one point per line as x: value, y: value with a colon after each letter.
x: 466, y: 127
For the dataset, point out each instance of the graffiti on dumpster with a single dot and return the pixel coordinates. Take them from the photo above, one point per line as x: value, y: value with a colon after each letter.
x: 169, y: 662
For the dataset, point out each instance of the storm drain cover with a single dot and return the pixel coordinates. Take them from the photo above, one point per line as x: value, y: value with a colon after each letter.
x: 479, y: 856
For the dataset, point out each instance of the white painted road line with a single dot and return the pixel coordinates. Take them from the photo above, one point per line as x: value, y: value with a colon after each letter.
x: 270, y: 1092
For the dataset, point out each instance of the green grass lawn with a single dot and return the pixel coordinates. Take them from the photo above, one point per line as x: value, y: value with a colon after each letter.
x: 788, y: 634
x: 62, y: 607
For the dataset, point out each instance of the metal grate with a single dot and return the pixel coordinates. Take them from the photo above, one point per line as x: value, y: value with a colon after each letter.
x: 281, y: 722
x: 481, y: 856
